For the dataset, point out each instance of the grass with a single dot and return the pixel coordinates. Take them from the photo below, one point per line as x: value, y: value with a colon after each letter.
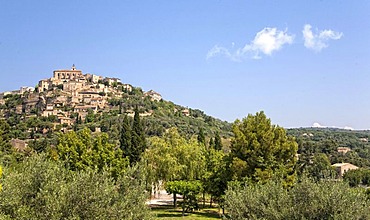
x: 168, y: 212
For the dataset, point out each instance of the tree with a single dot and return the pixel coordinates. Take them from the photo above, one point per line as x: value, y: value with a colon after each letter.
x: 201, y: 136
x: 211, y: 143
x: 90, y: 117
x: 321, y: 167
x: 215, y: 177
x: 218, y: 142
x: 138, y: 139
x: 262, y: 150
x: 40, y: 188
x: 173, y: 158
x: 307, y: 199
x: 81, y: 151
x: 125, y: 137
x: 189, y: 191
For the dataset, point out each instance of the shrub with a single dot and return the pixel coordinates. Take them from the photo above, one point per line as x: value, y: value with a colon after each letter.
x: 40, y: 188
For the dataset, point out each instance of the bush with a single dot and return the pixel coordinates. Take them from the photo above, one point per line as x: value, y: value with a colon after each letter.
x: 306, y: 200
x: 40, y: 188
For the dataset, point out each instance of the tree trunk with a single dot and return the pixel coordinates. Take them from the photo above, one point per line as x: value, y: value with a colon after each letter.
x: 183, y: 206
x: 204, y: 199
x: 210, y: 202
x: 174, y: 201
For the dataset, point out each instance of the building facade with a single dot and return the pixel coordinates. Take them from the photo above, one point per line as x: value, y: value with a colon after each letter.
x: 71, y: 74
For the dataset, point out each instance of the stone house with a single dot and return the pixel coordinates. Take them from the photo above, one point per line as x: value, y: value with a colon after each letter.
x: 342, y: 168
x: 85, y: 108
x: 65, y: 120
x: 24, y: 89
x: 155, y: 96
x: 44, y: 85
x: 72, y: 86
x: 112, y: 80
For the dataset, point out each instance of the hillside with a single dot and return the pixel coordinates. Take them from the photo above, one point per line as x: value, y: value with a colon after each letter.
x: 71, y: 100
x: 340, y: 145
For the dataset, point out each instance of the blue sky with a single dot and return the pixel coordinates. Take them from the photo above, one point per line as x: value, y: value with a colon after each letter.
x: 302, y: 62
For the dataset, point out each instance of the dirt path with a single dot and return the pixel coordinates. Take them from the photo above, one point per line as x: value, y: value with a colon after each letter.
x: 162, y: 198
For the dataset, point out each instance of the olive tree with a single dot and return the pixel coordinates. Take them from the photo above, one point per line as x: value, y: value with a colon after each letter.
x: 40, y: 188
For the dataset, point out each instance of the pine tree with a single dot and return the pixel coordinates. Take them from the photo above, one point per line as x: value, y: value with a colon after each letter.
x: 261, y: 150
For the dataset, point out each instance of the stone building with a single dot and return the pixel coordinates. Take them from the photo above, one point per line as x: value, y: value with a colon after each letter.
x: 72, y: 86
x: 71, y: 74
x: 24, y: 89
x: 154, y: 96
x: 342, y: 168
x: 44, y: 85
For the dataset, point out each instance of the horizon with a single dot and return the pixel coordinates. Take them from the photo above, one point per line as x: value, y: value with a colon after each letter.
x: 302, y: 63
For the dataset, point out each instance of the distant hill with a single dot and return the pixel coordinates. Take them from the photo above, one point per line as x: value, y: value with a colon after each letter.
x: 340, y: 145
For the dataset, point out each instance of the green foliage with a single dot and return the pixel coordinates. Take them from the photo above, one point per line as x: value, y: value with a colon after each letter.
x: 126, y: 137
x: 306, y: 200
x: 132, y: 138
x: 218, y: 142
x: 138, y: 139
x: 90, y: 117
x: 11, y: 101
x: 1, y: 173
x: 357, y: 177
x: 326, y: 140
x: 40, y: 188
x: 319, y: 167
x: 262, y: 150
x: 189, y: 191
x: 173, y: 158
x: 215, y: 177
x: 201, y: 137
x: 81, y: 151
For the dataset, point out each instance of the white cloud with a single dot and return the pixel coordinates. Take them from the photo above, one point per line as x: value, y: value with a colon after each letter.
x: 318, y: 41
x: 265, y: 42
x: 216, y: 50
x: 318, y: 125
x: 269, y: 40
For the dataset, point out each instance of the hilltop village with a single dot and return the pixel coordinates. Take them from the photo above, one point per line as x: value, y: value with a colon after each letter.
x: 69, y: 96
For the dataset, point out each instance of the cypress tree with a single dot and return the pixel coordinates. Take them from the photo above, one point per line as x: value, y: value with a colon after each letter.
x: 125, y: 138
x: 138, y: 138
x: 201, y: 137
x: 211, y: 143
x: 218, y: 142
